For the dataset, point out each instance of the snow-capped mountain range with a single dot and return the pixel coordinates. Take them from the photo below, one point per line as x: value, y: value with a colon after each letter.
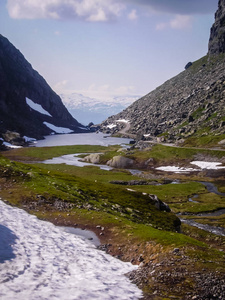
x: 86, y: 109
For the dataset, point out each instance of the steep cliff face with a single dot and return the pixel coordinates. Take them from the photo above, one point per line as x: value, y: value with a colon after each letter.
x: 192, y: 104
x: 217, y: 36
x: 18, y: 81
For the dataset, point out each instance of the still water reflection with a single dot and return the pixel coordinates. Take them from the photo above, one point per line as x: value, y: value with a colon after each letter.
x: 80, y: 139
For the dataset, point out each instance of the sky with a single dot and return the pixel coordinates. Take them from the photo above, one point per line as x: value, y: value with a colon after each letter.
x: 108, y: 47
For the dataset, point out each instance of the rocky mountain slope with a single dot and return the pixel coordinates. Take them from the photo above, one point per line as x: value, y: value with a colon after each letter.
x: 192, y: 104
x: 28, y: 105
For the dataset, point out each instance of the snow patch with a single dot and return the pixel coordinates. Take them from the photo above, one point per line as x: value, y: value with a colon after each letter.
x: 208, y: 165
x: 84, y: 128
x: 10, y: 145
x: 37, y: 107
x: 58, y: 129
x: 40, y: 261
x: 201, y: 164
x: 175, y: 169
x: 123, y: 121
x: 110, y: 126
x: 28, y: 139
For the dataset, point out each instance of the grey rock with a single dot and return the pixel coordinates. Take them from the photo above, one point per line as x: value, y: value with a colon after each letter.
x: 217, y: 36
x: 93, y: 158
x: 120, y: 162
x: 188, y: 65
x: 162, y: 206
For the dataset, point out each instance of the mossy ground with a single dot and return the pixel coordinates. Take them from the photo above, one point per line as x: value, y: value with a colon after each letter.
x: 133, y: 227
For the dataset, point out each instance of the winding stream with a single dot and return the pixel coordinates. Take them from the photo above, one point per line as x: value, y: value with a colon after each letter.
x: 213, y: 229
x: 73, y: 159
x: 212, y: 188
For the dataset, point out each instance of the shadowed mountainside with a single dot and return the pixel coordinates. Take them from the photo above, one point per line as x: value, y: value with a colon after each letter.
x: 19, y: 81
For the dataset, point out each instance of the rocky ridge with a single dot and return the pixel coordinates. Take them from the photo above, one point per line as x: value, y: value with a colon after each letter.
x: 19, y: 81
x: 190, y: 104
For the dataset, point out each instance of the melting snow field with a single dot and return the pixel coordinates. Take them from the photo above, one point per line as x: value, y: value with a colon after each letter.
x: 40, y: 261
x: 201, y: 164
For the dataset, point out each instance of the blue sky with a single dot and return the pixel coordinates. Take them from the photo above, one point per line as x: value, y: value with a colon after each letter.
x: 108, y: 47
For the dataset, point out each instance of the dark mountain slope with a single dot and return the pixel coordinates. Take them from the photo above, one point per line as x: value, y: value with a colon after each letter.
x: 190, y: 104
x: 19, y: 80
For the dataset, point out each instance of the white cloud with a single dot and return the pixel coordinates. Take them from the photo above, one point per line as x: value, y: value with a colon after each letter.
x: 88, y: 10
x: 162, y: 26
x: 184, y: 7
x: 60, y: 86
x: 101, y: 92
x: 179, y: 22
x: 125, y: 90
x: 101, y: 88
x: 133, y: 15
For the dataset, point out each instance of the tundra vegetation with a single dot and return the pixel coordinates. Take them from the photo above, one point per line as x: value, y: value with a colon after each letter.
x: 176, y: 261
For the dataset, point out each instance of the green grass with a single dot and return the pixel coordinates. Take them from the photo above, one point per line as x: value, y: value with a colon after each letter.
x: 165, y: 155
x: 172, y: 193
x: 204, y: 141
x: 198, y: 64
x: 44, y: 153
x: 198, y: 113
x: 59, y: 185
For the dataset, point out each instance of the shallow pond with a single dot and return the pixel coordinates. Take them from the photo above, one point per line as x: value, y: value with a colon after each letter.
x: 80, y: 139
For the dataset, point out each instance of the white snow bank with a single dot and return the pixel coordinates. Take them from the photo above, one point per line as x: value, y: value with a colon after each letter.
x: 37, y: 107
x: 58, y: 129
x: 8, y: 144
x: 29, y: 139
x: 84, y: 128
x: 208, y: 165
x: 40, y: 261
x: 201, y: 164
x: 11, y: 146
x: 110, y: 126
x: 123, y: 120
x: 176, y: 169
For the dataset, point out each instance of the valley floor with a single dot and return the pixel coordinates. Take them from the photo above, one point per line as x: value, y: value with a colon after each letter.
x: 172, y: 265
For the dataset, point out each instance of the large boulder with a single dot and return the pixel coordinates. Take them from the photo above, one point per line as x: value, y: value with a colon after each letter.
x: 162, y: 206
x: 93, y: 158
x: 120, y: 162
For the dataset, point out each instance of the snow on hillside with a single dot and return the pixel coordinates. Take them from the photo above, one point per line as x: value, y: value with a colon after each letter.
x: 87, y: 109
x: 57, y: 129
x: 37, y: 107
x: 41, y: 261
